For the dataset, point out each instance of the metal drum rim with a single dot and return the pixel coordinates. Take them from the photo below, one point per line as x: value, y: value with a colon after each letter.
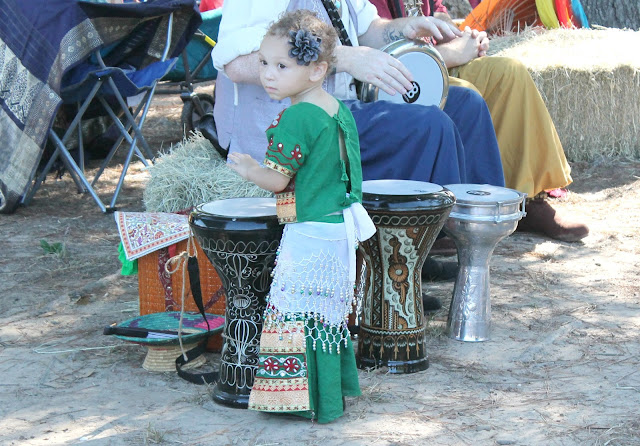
x: 198, y: 211
x: 514, y: 205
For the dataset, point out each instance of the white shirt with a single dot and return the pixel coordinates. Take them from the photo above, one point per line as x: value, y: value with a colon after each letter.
x: 245, y: 22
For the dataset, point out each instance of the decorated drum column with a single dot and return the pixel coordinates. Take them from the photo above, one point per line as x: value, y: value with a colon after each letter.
x: 240, y: 237
x: 408, y: 216
x: 482, y: 216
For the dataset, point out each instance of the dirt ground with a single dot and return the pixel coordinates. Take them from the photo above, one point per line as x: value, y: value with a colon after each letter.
x: 562, y: 366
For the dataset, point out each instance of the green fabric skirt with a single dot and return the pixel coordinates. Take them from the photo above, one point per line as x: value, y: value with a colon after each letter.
x: 295, y: 378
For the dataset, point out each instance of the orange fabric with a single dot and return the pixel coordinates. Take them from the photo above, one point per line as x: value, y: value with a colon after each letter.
x: 494, y: 16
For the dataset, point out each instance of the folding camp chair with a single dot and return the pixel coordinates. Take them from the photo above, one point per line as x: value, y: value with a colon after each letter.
x: 103, y: 84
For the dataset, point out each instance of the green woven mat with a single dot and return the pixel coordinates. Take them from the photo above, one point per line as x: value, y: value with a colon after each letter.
x: 193, y: 325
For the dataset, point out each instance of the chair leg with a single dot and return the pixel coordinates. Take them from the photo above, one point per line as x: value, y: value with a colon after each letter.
x: 130, y: 118
x: 125, y: 168
x: 124, y: 133
x: 36, y: 185
x: 72, y: 166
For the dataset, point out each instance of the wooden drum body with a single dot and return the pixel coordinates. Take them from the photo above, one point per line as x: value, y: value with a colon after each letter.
x: 408, y: 216
x: 240, y: 237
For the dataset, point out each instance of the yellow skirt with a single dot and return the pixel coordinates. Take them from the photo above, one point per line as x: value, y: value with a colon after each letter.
x: 532, y: 156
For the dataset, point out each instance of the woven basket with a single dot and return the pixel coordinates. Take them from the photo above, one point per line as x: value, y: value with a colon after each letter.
x: 159, y: 292
x: 163, y: 358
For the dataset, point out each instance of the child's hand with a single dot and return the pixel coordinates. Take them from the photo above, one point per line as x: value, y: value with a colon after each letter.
x: 242, y: 163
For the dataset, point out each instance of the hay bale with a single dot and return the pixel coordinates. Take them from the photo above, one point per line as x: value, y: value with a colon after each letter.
x: 458, y: 9
x: 192, y: 173
x: 590, y: 81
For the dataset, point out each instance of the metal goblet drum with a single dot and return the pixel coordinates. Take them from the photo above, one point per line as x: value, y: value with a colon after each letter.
x: 482, y: 216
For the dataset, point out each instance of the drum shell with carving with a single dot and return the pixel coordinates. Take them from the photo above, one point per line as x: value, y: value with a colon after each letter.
x: 431, y: 78
x: 408, y: 216
x: 240, y: 236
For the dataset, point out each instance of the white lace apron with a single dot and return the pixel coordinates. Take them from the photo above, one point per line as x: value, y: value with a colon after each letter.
x: 314, y: 276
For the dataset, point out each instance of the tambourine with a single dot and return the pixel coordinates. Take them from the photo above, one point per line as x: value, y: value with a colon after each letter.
x: 431, y: 78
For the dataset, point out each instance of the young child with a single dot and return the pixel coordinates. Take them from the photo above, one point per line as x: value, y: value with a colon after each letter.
x: 307, y: 362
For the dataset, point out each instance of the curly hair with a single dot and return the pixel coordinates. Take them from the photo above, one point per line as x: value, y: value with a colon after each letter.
x: 306, y: 20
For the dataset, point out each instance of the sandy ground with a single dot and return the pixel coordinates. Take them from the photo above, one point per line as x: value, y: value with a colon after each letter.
x: 561, y: 368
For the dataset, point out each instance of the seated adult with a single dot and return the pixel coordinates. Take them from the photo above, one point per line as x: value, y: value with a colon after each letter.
x: 532, y: 156
x: 398, y: 141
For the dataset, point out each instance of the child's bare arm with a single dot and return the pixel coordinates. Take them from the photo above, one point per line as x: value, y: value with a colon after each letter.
x: 250, y: 169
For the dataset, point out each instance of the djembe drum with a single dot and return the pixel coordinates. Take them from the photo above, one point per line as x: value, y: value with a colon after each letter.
x: 482, y: 216
x: 408, y: 216
x: 240, y: 237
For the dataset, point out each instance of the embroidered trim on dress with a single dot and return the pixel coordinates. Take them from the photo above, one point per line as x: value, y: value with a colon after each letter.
x: 278, y: 168
x: 286, y: 207
x: 281, y: 383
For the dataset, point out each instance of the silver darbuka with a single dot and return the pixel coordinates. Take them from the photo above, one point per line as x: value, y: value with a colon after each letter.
x: 482, y: 216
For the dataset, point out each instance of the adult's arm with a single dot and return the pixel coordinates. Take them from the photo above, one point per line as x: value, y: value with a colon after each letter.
x: 244, y: 69
x: 382, y: 31
x: 244, y: 24
x: 368, y: 64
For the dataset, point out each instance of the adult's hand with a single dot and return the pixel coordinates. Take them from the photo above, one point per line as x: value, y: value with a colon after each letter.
x: 471, y: 45
x: 481, y: 39
x: 375, y: 67
x: 420, y: 26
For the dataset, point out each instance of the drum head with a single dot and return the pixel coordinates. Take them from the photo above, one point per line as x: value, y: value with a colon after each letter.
x: 428, y: 85
x: 483, y: 202
x: 399, y: 187
x: 250, y: 207
x: 250, y: 215
x: 483, y: 193
x: 404, y: 194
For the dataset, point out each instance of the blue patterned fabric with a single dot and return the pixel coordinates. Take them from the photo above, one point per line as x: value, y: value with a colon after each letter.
x: 42, y: 40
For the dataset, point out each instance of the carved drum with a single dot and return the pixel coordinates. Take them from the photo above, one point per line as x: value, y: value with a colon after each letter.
x: 408, y: 216
x: 240, y: 237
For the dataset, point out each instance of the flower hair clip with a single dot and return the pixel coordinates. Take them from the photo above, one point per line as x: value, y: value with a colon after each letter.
x: 306, y: 46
